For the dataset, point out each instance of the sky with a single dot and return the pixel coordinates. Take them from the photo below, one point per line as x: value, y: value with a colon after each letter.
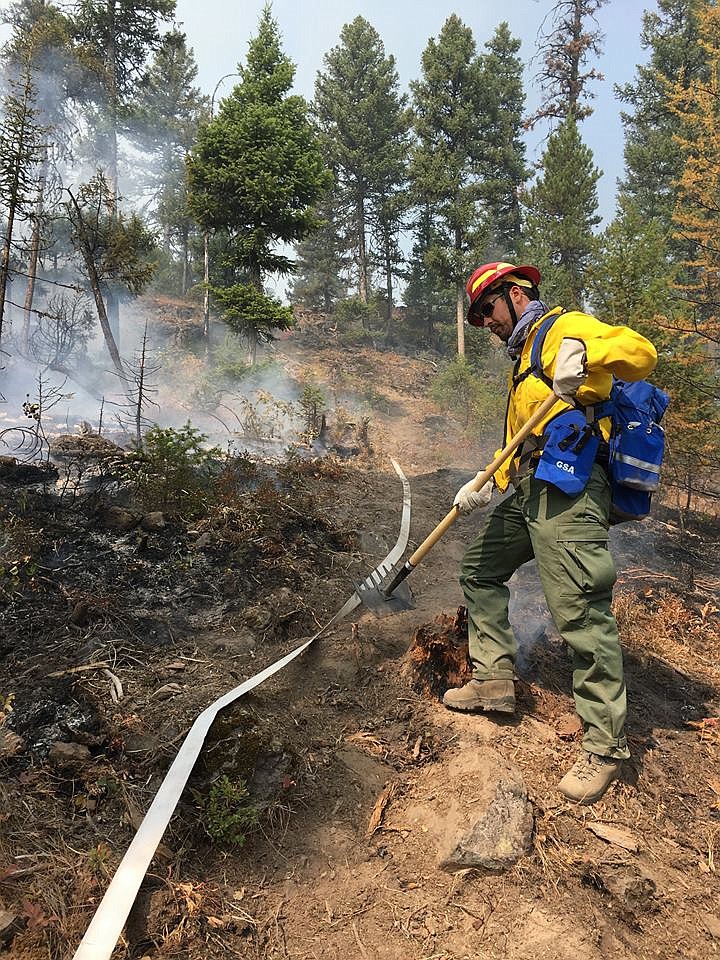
x: 219, y: 30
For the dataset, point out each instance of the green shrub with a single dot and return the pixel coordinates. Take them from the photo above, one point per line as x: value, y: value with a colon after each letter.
x: 459, y: 390
x: 228, y: 812
x: 173, y: 469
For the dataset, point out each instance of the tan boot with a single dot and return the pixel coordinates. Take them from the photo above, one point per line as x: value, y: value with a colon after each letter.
x: 482, y: 695
x: 589, y: 777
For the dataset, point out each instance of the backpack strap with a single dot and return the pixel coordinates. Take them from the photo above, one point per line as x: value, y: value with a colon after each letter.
x: 535, y: 368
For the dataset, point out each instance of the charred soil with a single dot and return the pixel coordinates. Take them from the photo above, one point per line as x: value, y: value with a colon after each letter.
x: 314, y: 823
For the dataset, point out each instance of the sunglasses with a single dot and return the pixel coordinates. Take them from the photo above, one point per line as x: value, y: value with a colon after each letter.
x: 486, y: 309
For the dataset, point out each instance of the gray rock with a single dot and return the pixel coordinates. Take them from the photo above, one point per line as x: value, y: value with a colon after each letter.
x: 489, y: 822
x: 121, y: 519
x: 68, y: 754
x: 153, y: 521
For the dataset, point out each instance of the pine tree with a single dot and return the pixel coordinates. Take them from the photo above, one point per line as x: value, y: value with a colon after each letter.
x: 168, y: 112
x: 630, y: 280
x: 21, y: 151
x: 321, y: 264
x: 112, y: 249
x: 564, y: 49
x: 41, y: 39
x: 115, y: 38
x: 561, y: 214
x: 448, y: 102
x: 429, y: 301
x: 653, y: 156
x: 365, y: 123
x: 256, y: 172
x: 504, y: 169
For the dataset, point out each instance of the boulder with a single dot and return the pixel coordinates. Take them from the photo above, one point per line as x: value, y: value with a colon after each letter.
x: 489, y: 820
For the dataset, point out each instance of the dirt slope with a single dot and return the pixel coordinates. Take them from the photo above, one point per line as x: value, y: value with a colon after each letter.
x: 322, y: 742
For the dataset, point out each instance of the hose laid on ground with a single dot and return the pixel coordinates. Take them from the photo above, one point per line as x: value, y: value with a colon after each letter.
x: 109, y: 919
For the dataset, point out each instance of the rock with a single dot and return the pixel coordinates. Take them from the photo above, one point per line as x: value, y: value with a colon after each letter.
x: 153, y: 522
x: 166, y: 691
x: 68, y: 754
x: 10, y: 744
x: 10, y: 924
x: 712, y: 925
x: 630, y: 887
x: 121, y: 519
x: 490, y: 819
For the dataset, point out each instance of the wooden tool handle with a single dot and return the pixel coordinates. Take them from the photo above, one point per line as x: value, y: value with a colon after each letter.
x: 482, y: 478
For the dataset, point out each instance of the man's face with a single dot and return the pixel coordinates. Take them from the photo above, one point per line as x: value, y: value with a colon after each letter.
x: 499, y: 321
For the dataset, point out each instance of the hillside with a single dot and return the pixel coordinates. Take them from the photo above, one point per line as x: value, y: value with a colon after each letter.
x: 120, y: 626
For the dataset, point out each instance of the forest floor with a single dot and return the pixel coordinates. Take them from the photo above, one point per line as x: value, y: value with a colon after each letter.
x: 356, y: 778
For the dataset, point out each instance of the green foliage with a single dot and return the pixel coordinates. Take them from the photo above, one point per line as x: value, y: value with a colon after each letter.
x: 173, y: 469
x: 312, y: 403
x: 561, y: 214
x: 364, y: 119
x: 503, y: 164
x: 321, y: 262
x: 353, y: 312
x: 256, y: 169
x: 250, y: 313
x: 459, y: 390
x: 653, y: 157
x: 121, y: 248
x: 630, y: 281
x: 228, y: 813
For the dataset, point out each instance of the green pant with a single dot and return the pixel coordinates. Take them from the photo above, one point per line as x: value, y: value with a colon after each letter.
x: 568, y: 537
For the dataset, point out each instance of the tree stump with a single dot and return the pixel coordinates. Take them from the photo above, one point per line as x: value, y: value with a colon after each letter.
x: 438, y: 655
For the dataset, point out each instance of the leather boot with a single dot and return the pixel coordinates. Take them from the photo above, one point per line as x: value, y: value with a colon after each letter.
x: 589, y: 777
x: 482, y: 695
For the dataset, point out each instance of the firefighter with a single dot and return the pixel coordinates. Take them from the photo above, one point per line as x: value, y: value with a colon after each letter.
x: 566, y: 532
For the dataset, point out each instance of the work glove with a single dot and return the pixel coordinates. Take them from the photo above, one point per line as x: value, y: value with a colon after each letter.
x: 570, y: 369
x: 467, y: 499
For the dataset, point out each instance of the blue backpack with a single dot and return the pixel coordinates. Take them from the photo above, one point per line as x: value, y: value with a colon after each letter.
x: 636, y: 443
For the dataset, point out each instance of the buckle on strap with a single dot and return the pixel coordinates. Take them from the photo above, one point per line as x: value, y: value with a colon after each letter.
x: 526, y: 457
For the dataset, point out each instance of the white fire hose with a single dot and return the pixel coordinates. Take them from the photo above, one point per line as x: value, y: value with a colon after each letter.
x: 109, y: 919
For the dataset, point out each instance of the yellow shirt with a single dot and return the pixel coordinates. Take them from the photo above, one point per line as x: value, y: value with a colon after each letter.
x: 611, y: 351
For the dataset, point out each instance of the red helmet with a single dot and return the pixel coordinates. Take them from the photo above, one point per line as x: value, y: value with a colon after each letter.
x: 489, y: 274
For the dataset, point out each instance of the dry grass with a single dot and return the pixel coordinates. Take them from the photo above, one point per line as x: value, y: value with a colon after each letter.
x: 683, y: 634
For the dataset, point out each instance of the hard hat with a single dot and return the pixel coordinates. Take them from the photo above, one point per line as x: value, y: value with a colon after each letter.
x: 488, y: 275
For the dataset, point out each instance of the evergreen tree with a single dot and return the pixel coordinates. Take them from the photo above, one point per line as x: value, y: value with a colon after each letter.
x: 21, y: 151
x: 256, y: 172
x: 365, y: 124
x: 115, y: 38
x: 168, y: 113
x: 630, y: 280
x: 112, y: 249
x: 429, y: 301
x: 565, y: 48
x: 504, y: 169
x: 561, y: 214
x: 448, y: 104
x: 321, y: 264
x: 653, y: 156
x: 41, y: 44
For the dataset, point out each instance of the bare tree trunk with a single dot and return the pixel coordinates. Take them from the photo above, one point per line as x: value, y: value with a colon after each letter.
x: 460, y: 307
x: 388, y: 284
x: 97, y: 292
x: 362, y: 252
x: 32, y: 267
x: 113, y: 302
x: 460, y: 300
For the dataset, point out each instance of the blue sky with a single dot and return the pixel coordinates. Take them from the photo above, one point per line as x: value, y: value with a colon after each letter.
x: 218, y: 31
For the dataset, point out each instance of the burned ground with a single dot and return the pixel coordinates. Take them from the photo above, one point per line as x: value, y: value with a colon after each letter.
x: 348, y: 775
